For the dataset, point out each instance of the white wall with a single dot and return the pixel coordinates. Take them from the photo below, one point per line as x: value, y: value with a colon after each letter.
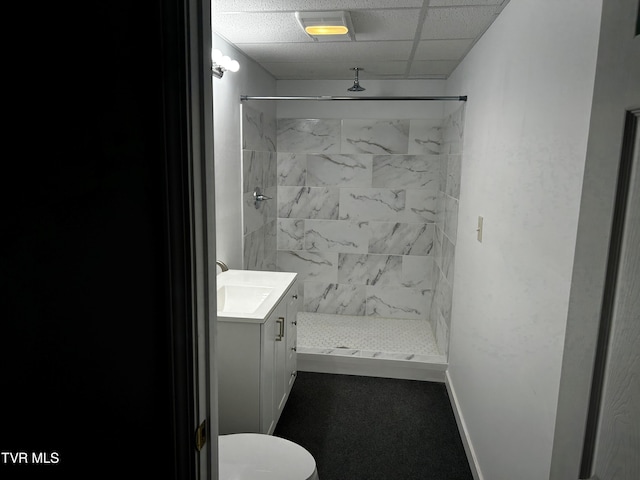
x: 361, y: 109
x: 251, y: 79
x: 530, y: 81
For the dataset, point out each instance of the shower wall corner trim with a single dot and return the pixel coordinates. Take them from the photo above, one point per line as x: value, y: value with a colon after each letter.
x: 459, y: 98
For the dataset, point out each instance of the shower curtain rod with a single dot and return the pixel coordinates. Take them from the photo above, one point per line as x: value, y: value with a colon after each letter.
x: 462, y: 98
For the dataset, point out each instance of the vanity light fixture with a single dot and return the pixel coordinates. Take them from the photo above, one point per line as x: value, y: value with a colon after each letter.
x: 326, y: 26
x: 222, y: 63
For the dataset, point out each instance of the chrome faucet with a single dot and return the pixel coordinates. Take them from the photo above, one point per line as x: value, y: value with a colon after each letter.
x: 222, y: 265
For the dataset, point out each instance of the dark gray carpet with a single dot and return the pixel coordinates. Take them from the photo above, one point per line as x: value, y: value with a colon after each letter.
x: 366, y: 428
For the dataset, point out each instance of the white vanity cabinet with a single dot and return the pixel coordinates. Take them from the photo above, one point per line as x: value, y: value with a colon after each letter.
x: 256, y: 366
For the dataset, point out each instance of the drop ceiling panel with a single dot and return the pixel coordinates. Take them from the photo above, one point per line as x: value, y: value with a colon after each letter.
x: 316, y: 5
x: 352, y: 52
x: 385, y: 24
x: 443, y: 49
x: 259, y: 27
x: 457, y: 22
x: 432, y: 67
x: 462, y: 3
x: 334, y: 70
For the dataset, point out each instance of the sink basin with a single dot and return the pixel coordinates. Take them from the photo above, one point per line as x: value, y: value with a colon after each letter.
x: 241, y: 298
x: 249, y: 296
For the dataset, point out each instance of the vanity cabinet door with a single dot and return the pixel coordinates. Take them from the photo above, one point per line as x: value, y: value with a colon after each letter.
x: 267, y: 373
x: 285, y: 348
x: 271, y: 377
x: 280, y: 360
x: 293, y: 306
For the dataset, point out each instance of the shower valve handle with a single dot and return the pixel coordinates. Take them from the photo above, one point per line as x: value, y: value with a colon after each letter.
x: 259, y: 197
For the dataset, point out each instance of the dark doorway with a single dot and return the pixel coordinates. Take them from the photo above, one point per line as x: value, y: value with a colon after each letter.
x: 96, y: 373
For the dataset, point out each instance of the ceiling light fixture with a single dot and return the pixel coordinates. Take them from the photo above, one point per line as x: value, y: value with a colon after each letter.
x: 222, y: 63
x: 326, y: 26
x: 356, y: 84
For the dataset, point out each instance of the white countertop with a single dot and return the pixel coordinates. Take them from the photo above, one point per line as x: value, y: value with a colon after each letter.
x: 278, y: 281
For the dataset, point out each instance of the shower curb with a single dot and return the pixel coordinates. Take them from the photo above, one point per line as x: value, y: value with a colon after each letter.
x: 372, y: 367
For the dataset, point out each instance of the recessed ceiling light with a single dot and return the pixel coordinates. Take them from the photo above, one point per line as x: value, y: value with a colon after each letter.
x: 326, y: 30
x: 326, y: 26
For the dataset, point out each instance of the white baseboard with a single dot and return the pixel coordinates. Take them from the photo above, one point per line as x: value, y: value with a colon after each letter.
x: 371, y: 367
x: 462, y: 427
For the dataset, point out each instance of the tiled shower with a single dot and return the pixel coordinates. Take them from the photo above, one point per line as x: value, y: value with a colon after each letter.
x: 365, y: 211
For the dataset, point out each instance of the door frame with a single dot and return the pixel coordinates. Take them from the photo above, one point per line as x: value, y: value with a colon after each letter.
x: 202, y: 211
x: 615, y: 93
x: 628, y: 154
x: 191, y: 230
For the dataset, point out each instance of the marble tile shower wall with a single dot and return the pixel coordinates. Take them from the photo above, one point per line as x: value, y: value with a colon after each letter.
x: 446, y: 227
x: 357, y: 211
x: 259, y: 169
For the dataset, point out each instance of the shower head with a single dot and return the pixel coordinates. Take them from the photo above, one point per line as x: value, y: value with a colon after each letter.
x: 356, y: 84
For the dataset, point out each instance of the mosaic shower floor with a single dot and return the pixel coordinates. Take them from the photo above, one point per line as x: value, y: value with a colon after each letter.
x: 370, y: 337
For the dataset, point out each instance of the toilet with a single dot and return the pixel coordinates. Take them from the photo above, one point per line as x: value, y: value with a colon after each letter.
x: 256, y: 456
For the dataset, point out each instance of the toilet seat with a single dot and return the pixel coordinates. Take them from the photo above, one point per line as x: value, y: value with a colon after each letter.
x: 254, y: 456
